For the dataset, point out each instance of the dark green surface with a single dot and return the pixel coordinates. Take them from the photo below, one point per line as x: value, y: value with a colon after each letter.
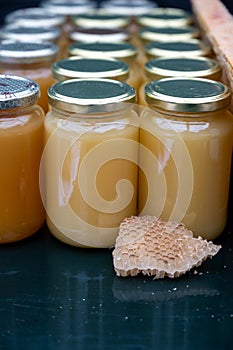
x: 54, y: 296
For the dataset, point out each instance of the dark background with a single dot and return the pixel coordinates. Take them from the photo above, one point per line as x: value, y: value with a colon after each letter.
x: 7, y: 6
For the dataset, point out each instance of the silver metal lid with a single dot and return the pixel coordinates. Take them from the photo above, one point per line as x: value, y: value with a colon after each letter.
x: 97, y: 94
x: 90, y: 35
x: 181, y: 66
x: 81, y: 67
x: 165, y: 17
x: 190, y: 95
x: 16, y: 91
x: 67, y: 8
x: 100, y: 19
x: 189, y: 48
x: 34, y: 17
x: 127, y: 8
x: 30, y: 34
x: 99, y: 49
x: 168, y: 33
x: 27, y: 52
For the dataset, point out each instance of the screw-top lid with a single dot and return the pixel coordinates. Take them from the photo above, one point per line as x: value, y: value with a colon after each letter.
x: 97, y: 94
x: 29, y: 34
x: 121, y: 51
x: 127, y: 8
x: 81, y: 67
x: 165, y: 17
x: 100, y: 19
x: 191, y: 95
x: 27, y: 52
x: 168, y: 33
x: 91, y: 35
x: 181, y: 66
x: 67, y: 8
x: 34, y: 17
x: 16, y: 91
x: 189, y: 48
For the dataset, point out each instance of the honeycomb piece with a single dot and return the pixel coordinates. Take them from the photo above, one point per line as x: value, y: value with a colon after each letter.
x: 156, y: 248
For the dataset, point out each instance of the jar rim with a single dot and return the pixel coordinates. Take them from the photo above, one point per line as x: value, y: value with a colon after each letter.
x: 187, y: 94
x: 74, y: 94
x: 86, y: 67
x: 177, y: 66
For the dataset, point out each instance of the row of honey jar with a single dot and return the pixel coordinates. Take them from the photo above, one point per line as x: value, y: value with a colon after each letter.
x: 88, y: 213
x: 95, y: 159
x: 25, y: 51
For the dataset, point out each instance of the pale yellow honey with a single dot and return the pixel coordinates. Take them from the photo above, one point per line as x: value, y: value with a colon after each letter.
x: 186, y: 165
x: 91, y: 176
x: 21, y: 146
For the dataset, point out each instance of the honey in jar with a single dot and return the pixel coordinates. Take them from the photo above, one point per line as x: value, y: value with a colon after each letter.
x: 21, y: 145
x: 32, y: 60
x: 90, y: 160
x: 186, y: 139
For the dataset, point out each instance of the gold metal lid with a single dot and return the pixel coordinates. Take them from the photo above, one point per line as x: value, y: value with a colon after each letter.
x: 83, y: 68
x: 189, y: 48
x: 16, y: 92
x: 122, y: 51
x: 163, y: 67
x: 98, y: 95
x: 100, y: 19
x: 34, y: 17
x: 165, y: 17
x: 90, y: 35
x: 168, y: 33
x: 27, y: 52
x: 190, y: 95
x: 30, y: 34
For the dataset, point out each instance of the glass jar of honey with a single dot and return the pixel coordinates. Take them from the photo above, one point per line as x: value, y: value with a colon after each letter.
x: 84, y: 68
x: 32, y: 60
x: 186, y: 137
x: 162, y: 67
x: 21, y: 145
x: 36, y: 19
x: 123, y: 51
x: 90, y: 160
